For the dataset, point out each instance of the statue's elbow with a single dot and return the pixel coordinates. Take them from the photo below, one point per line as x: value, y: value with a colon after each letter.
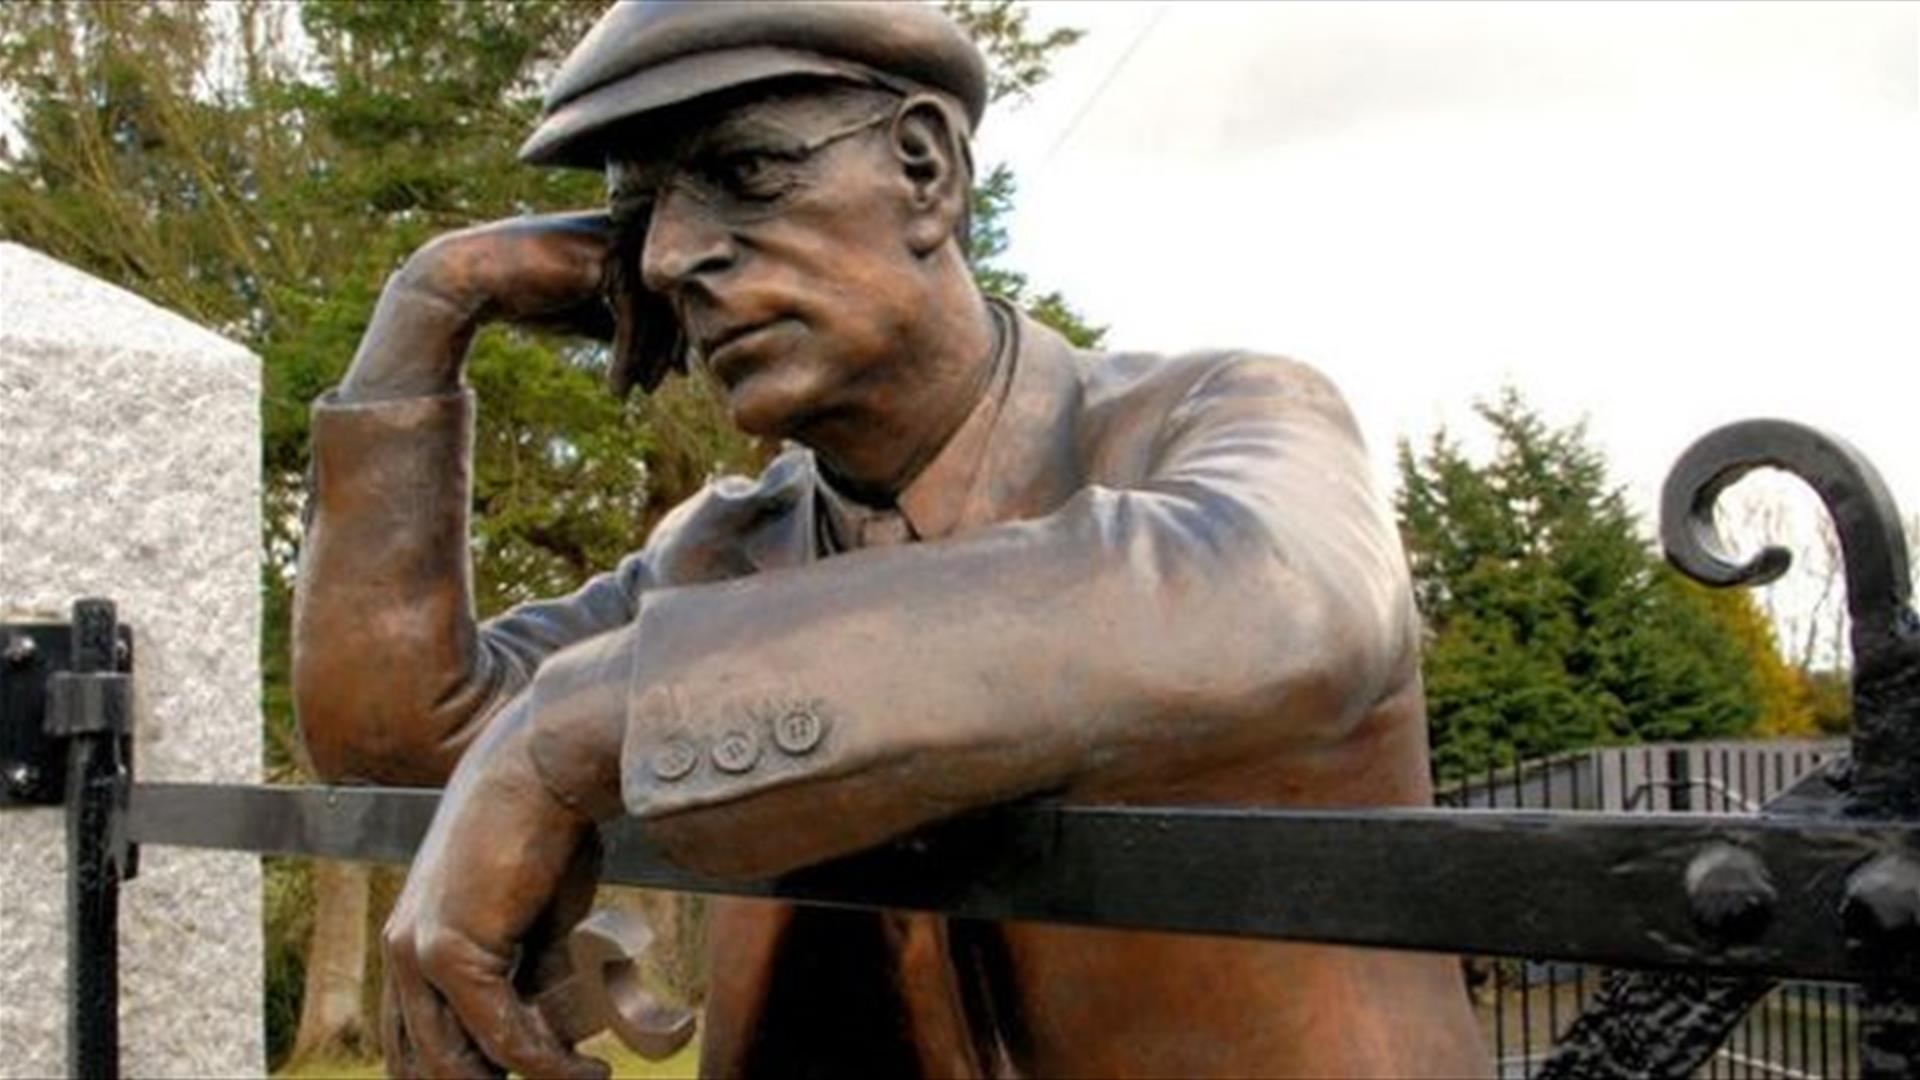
x: 342, y: 753
x: 1324, y: 655
x: 352, y: 737
x: 339, y: 748
x: 328, y: 754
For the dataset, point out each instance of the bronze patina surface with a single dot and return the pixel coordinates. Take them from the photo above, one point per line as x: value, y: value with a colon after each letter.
x: 992, y: 566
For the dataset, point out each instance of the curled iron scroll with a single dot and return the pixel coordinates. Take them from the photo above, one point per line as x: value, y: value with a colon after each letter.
x: 1671, y: 1023
x: 1864, y: 517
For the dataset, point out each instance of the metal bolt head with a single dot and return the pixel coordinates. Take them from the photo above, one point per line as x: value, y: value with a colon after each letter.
x: 20, y: 650
x: 1729, y: 893
x: 22, y: 778
x: 1881, y: 909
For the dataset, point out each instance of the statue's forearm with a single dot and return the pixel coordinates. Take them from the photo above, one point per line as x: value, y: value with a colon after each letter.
x: 579, y: 704
x: 539, y: 270
x: 415, y: 343
x: 391, y: 672
x: 388, y: 673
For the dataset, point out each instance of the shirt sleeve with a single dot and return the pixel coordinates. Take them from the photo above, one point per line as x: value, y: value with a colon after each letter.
x: 392, y: 674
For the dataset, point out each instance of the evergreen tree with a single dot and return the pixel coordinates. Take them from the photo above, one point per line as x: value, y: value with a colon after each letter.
x: 1018, y: 60
x: 1550, y: 623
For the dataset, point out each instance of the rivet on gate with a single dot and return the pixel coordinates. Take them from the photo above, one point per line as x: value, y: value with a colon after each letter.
x: 20, y: 650
x: 1881, y: 908
x: 1730, y: 894
x: 21, y: 777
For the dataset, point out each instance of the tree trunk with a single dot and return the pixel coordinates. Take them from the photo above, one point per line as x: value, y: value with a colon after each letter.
x: 330, y: 1020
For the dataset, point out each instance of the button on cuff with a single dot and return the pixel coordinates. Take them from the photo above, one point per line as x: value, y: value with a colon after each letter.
x: 672, y: 760
x: 736, y: 751
x: 799, y: 730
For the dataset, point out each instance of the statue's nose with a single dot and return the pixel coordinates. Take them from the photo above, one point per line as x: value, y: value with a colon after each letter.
x: 685, y: 239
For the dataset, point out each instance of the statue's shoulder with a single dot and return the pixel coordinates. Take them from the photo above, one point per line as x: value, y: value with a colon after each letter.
x: 1163, y: 383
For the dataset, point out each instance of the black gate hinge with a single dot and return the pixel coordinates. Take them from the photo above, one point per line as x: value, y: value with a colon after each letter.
x: 47, y: 701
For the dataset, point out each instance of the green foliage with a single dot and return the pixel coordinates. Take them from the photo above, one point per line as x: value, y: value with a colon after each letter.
x: 286, y: 898
x: 1551, y: 624
x: 1785, y: 695
x: 1017, y: 61
x: 1830, y: 699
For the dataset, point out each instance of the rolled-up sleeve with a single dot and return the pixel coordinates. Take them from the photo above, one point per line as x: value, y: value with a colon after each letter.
x: 392, y: 675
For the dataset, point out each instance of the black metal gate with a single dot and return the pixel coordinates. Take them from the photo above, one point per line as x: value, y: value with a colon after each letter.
x: 1820, y: 887
x: 1803, y: 1030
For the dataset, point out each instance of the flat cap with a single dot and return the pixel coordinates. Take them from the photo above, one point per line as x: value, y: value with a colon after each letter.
x: 649, y: 54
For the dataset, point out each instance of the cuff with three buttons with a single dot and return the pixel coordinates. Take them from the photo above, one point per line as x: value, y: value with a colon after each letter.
x: 678, y: 757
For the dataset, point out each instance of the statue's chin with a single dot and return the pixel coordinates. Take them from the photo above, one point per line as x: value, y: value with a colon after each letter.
x: 771, y: 402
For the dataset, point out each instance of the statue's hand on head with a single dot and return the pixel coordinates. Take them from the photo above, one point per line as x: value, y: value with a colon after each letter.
x: 544, y: 270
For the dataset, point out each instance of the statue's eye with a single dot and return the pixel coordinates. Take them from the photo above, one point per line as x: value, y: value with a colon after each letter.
x: 751, y: 174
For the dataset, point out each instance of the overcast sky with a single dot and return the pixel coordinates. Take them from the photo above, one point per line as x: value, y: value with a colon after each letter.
x: 1659, y: 217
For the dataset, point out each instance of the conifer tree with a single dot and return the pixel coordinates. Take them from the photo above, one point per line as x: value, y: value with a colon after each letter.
x: 1551, y: 624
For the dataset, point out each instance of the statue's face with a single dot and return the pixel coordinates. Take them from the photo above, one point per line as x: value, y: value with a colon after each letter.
x: 777, y: 230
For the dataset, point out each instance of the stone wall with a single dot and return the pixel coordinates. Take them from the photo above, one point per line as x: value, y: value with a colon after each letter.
x: 130, y: 469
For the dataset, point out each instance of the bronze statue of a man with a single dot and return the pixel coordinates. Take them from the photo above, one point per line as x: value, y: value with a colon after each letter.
x: 993, y: 566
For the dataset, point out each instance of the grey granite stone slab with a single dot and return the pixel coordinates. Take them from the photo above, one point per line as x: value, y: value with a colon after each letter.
x: 130, y: 469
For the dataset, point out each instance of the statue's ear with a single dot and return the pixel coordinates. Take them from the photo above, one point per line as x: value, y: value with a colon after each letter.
x: 929, y: 141
x: 647, y: 343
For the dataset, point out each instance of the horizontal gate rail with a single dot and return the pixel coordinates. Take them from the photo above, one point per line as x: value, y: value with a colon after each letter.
x: 1823, y: 883
x: 1609, y: 888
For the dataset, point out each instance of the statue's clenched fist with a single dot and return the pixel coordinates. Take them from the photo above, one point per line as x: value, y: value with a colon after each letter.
x: 505, y: 869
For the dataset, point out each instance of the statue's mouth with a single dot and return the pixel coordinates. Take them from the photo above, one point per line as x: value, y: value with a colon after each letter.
x: 732, y: 354
x: 711, y: 344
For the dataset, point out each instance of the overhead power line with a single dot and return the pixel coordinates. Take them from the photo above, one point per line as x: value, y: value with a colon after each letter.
x: 1106, y: 81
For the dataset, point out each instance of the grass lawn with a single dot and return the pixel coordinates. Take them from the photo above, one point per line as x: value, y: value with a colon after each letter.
x: 626, y: 1064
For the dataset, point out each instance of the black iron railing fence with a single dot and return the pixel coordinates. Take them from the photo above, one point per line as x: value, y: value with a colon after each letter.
x: 1823, y: 883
